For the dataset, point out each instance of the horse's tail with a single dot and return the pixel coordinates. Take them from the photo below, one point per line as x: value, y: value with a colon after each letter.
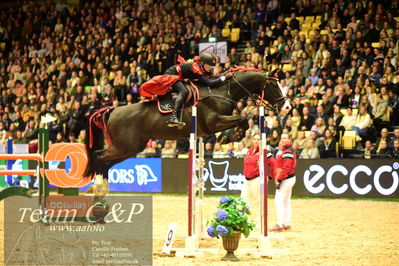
x: 94, y: 141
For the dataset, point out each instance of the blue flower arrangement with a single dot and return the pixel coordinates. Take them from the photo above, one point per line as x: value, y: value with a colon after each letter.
x: 232, y: 215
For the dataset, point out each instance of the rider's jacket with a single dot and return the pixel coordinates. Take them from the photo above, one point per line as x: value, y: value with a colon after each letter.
x: 159, y: 85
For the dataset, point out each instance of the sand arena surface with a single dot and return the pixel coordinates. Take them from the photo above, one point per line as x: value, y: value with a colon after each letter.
x: 325, y: 232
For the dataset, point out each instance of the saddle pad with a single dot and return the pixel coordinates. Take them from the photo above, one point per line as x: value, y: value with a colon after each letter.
x: 166, y: 102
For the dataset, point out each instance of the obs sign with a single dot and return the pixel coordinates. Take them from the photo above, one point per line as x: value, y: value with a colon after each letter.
x: 350, y: 178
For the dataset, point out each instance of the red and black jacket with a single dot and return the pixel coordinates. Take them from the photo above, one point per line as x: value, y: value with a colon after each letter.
x: 160, y: 85
x: 251, y: 163
x: 285, y: 164
x: 194, y: 71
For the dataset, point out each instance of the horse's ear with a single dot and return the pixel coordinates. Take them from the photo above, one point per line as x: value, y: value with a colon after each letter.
x: 272, y: 74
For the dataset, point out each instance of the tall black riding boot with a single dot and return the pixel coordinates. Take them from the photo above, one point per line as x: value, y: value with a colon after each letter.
x: 175, y: 116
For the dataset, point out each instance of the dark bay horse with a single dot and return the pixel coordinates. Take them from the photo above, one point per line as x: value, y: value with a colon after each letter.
x: 131, y: 127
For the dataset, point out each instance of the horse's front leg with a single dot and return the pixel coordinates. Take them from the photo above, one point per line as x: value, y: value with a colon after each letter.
x: 226, y: 122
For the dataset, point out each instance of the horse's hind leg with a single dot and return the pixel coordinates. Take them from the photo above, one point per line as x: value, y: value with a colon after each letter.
x: 115, y: 153
x: 112, y: 155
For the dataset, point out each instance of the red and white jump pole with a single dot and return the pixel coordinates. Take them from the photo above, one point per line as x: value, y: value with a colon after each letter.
x: 263, y: 169
x: 194, y: 215
x: 191, y: 172
x: 264, y: 243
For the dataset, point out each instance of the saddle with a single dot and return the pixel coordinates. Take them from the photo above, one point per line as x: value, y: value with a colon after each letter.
x: 166, y: 102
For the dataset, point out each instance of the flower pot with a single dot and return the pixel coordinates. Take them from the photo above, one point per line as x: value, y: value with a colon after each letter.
x: 100, y: 212
x: 230, y: 244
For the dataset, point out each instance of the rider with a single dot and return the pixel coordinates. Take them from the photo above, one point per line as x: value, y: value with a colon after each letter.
x: 200, y: 68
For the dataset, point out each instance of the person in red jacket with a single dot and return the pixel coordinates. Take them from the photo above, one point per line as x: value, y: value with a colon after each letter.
x: 285, y: 180
x: 251, y: 187
x: 200, y: 69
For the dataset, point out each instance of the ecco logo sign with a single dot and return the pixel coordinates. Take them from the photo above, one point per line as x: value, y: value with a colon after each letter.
x: 316, y: 172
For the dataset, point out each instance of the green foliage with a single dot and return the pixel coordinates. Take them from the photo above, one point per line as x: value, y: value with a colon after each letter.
x: 236, y: 219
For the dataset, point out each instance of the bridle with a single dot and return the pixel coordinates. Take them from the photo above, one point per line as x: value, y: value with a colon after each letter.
x: 263, y: 102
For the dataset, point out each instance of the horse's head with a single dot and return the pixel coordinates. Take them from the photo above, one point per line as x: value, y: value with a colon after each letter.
x: 274, y: 95
x: 266, y: 86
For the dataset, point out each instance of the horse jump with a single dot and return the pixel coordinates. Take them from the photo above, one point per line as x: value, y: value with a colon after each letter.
x: 194, y: 182
x: 44, y: 188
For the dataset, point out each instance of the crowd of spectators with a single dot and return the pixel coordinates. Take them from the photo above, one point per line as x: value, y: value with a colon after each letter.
x: 340, y: 74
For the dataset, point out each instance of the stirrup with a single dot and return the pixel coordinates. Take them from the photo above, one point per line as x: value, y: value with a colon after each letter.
x: 172, y: 123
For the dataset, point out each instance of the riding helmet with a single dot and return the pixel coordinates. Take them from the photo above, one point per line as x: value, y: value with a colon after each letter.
x: 208, y: 58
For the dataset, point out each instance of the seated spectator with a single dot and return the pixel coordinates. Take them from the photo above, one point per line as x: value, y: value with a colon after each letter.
x: 331, y: 126
x: 273, y: 140
x: 327, y: 146
x: 277, y: 126
x: 364, y: 102
x: 363, y: 122
x: 320, y: 113
x: 218, y: 153
x: 269, y: 119
x: 72, y: 138
x: 384, y: 137
x: 383, y: 148
x: 303, y: 97
x: 247, y: 140
x: 296, y: 118
x: 291, y: 129
x: 77, y: 119
x: 296, y: 149
x: 59, y: 138
x: 168, y: 151
x: 82, y: 136
x: 341, y: 99
x: 319, y: 127
x: 3, y: 133
x: 368, y: 149
x: 316, y: 139
x: 32, y: 132
x: 348, y: 121
x: 152, y: 151
x: 182, y: 146
x: 241, y: 151
x: 307, y: 119
x: 300, y: 141
x: 19, y: 139
x: 230, y: 149
x: 395, y: 149
x: 319, y: 89
x: 337, y: 115
x: 208, y: 152
x: 249, y: 108
x: 380, y: 112
x: 310, y: 151
x: 392, y: 140
x: 253, y: 128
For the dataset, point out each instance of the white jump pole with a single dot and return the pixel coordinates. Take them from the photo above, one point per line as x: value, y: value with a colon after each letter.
x: 192, y: 237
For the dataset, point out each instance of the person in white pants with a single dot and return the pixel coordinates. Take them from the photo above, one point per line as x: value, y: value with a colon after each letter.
x: 250, y: 192
x: 285, y: 180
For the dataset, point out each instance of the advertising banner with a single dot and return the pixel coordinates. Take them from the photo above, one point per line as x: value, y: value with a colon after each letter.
x: 221, y: 176
x: 136, y: 175
x: 348, y: 178
x: 218, y: 48
x: 321, y: 178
